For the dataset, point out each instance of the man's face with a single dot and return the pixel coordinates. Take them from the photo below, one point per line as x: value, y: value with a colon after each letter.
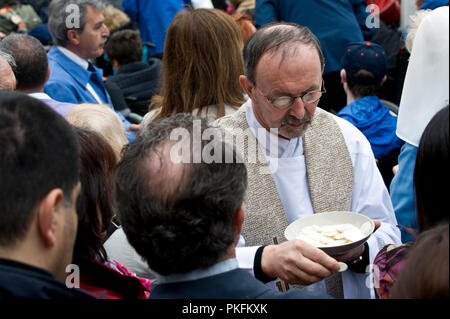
x: 7, y: 77
x: 92, y: 38
x: 298, y: 73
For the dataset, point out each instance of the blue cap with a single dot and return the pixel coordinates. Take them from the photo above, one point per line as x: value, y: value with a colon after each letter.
x: 367, y: 56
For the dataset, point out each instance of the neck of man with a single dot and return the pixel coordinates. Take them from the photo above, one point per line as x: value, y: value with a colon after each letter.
x: 39, y: 89
x: 29, y: 254
x: 74, y: 49
x: 350, y: 97
x: 230, y: 253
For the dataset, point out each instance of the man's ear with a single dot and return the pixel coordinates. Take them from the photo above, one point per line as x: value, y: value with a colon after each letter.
x: 48, y: 216
x: 246, y: 85
x: 384, y: 80
x: 238, y: 219
x: 73, y: 37
x: 343, y: 76
x: 48, y: 74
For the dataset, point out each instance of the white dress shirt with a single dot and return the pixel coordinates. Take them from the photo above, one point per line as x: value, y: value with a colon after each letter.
x: 369, y: 197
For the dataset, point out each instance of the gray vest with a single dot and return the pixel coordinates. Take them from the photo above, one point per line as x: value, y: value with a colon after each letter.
x: 329, y: 171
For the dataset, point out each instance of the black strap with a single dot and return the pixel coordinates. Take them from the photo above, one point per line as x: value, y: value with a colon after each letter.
x: 257, y: 269
x: 360, y: 264
x: 115, y: 225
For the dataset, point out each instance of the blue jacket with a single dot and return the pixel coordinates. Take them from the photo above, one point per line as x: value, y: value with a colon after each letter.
x: 374, y: 120
x: 234, y: 284
x: 433, y: 4
x: 68, y: 80
x: 23, y: 281
x: 154, y: 18
x: 403, y: 193
x: 334, y: 22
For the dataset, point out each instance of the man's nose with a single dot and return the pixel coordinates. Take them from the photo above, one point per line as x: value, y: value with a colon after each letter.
x: 297, y: 108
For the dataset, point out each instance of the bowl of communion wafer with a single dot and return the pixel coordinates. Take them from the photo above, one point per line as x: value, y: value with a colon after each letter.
x: 333, y: 232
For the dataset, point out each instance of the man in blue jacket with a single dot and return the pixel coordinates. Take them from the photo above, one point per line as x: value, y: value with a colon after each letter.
x: 79, y: 34
x: 336, y: 23
x: 154, y: 18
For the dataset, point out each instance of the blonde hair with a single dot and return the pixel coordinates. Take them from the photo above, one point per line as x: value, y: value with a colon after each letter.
x: 202, y: 63
x: 115, y: 18
x: 413, y: 27
x: 101, y: 119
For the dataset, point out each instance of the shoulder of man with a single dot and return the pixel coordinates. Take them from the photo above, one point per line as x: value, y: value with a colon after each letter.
x: 236, y: 120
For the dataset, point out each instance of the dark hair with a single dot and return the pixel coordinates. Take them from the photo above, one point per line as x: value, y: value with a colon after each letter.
x: 38, y: 152
x: 361, y: 90
x: 124, y: 46
x: 274, y: 37
x: 5, y: 3
x: 178, y: 216
x: 95, y: 203
x: 425, y: 274
x: 31, y: 60
x: 431, y: 174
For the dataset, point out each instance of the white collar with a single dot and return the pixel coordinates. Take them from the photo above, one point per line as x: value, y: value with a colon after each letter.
x: 40, y: 96
x: 75, y: 58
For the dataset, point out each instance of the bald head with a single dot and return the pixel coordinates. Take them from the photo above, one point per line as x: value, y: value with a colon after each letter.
x: 274, y: 38
x: 7, y: 78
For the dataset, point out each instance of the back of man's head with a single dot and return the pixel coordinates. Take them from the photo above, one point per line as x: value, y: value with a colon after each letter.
x: 7, y: 77
x: 179, y: 213
x: 31, y: 61
x: 125, y: 47
x: 39, y: 152
x: 365, y: 65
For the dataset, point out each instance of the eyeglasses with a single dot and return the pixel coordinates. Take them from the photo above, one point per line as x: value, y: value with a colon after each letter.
x: 284, y: 102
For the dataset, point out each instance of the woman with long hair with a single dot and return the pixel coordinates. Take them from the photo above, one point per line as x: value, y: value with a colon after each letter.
x: 202, y: 63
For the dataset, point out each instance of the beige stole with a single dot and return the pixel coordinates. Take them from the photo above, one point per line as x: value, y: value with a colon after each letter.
x: 329, y: 171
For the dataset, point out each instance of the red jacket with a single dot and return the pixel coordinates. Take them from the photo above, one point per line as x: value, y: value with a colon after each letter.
x: 112, y: 281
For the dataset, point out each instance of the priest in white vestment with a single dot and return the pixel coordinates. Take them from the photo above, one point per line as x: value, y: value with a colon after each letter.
x: 314, y: 162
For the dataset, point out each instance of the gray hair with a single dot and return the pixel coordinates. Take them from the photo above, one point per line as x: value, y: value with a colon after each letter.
x: 274, y: 37
x: 60, y: 17
x: 9, y: 59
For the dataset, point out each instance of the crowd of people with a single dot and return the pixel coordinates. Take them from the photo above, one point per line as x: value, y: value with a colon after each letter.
x: 163, y: 147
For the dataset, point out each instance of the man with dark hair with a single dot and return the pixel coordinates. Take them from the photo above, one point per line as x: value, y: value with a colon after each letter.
x: 7, y: 77
x: 364, y: 71
x: 79, y: 33
x: 136, y: 81
x: 39, y: 167
x: 302, y: 160
x: 32, y: 70
x: 191, y: 212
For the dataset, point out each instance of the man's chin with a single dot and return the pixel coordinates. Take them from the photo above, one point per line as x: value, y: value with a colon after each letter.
x: 289, y: 132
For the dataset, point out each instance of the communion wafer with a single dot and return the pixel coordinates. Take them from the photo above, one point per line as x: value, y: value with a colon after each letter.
x: 331, y: 235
